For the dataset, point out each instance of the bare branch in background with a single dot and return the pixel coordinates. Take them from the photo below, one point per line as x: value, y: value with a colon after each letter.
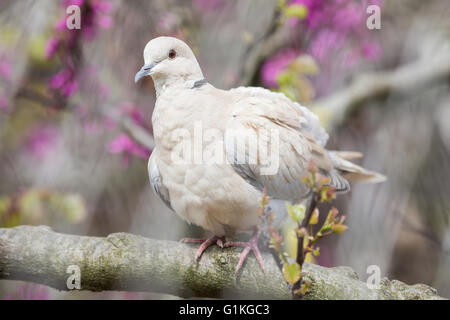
x: 415, y: 76
x: 138, y: 133
x: 275, y: 37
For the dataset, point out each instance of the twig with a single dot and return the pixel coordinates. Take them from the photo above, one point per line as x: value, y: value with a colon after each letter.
x: 311, y: 207
x: 300, y: 251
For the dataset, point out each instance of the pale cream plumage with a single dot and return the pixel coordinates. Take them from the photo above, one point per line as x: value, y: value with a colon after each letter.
x: 223, y: 197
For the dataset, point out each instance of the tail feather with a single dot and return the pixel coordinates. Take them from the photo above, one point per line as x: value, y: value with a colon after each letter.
x: 364, y: 176
x: 351, y: 171
x: 347, y: 155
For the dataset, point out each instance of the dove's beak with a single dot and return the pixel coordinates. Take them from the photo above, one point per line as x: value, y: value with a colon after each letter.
x: 145, y: 71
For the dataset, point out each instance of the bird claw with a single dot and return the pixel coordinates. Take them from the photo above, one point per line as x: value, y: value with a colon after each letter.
x: 205, y: 243
x: 251, y: 245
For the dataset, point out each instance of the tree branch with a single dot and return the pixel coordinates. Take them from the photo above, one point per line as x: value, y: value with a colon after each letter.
x: 275, y: 37
x: 408, y: 78
x: 128, y: 262
x: 141, y: 135
x: 138, y: 133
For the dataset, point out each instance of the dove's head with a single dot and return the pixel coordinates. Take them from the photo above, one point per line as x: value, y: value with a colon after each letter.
x: 169, y: 60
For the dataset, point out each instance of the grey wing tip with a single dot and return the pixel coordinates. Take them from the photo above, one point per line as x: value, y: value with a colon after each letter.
x: 156, y: 180
x: 338, y: 182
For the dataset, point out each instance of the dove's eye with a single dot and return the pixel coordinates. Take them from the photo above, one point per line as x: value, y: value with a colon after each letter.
x: 172, y: 54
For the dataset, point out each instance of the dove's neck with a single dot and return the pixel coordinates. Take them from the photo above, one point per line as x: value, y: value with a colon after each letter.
x: 181, y: 80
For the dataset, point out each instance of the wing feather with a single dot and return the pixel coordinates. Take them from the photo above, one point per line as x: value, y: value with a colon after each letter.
x: 286, y: 134
x: 156, y: 180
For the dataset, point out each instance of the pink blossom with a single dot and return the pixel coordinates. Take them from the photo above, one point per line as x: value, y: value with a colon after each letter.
x: 371, y: 50
x: 351, y: 16
x: 134, y: 113
x: 41, y: 140
x: 61, y: 25
x: 91, y: 19
x: 67, y: 3
x: 51, y: 47
x: 323, y: 43
x: 94, y: 16
x: 69, y: 88
x: 65, y: 82
x: 372, y: 2
x: 341, y: 13
x: 124, y: 145
x: 315, y: 15
x: 3, y: 103
x: 102, y: 6
x: 89, y: 31
x: 104, y: 22
x: 30, y: 291
x: 5, y: 70
x: 58, y: 80
x: 334, y: 32
x: 273, y: 66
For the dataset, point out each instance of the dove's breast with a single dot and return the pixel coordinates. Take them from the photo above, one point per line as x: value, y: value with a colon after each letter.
x: 204, y: 189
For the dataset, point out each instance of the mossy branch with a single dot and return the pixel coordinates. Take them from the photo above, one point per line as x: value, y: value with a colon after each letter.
x: 128, y: 262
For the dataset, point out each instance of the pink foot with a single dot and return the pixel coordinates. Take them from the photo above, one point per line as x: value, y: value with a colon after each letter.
x: 252, y: 245
x: 205, y: 243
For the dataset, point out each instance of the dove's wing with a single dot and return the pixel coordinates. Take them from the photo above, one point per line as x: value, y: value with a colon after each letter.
x: 156, y: 180
x: 309, y: 120
x: 270, y: 141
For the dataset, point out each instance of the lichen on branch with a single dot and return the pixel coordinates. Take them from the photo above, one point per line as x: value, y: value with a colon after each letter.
x: 129, y: 262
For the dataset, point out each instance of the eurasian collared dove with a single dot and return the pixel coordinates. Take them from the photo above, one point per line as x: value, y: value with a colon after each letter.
x: 266, y: 141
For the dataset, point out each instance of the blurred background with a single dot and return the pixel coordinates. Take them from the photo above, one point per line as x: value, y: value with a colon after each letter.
x: 75, y: 131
